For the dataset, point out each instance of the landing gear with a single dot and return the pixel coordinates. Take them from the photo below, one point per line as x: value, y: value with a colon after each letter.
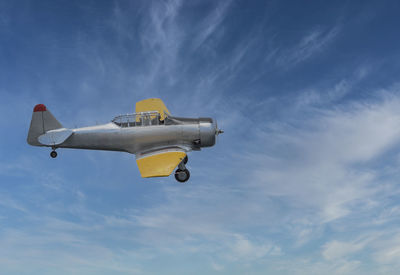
x: 53, y: 154
x: 182, y: 175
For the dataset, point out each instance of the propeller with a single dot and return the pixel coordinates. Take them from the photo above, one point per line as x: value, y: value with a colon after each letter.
x: 217, y: 131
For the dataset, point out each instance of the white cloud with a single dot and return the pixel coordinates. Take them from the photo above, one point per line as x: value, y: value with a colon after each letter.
x: 211, y: 23
x: 387, y: 248
x: 389, y: 255
x: 335, y: 250
x: 244, y: 250
x: 320, y: 162
x: 217, y: 267
x: 309, y: 45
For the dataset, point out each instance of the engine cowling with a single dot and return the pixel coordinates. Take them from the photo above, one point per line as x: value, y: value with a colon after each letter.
x: 207, y: 128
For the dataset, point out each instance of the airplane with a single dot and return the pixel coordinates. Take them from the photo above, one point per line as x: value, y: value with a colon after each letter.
x: 159, y: 141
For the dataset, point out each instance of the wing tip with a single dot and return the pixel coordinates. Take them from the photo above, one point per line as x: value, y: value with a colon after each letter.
x: 152, y: 104
x: 159, y: 164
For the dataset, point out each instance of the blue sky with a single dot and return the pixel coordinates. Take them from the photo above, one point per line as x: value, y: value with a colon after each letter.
x: 305, y: 179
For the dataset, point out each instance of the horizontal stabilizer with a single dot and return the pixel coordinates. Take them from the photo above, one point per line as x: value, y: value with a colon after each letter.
x: 55, y: 137
x: 159, y: 163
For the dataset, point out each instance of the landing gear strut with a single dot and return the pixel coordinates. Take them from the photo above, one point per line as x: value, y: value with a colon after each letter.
x: 182, y: 174
x: 53, y: 154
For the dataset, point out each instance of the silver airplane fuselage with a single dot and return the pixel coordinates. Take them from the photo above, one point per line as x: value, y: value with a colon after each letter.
x: 188, y: 133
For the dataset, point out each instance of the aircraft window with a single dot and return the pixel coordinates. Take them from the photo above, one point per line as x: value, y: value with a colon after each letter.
x: 146, y: 120
x: 138, y: 119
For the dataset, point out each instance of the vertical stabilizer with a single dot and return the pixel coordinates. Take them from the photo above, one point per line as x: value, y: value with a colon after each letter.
x: 42, y: 121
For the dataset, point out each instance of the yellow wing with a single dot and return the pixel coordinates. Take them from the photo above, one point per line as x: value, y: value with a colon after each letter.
x: 152, y: 104
x: 159, y: 164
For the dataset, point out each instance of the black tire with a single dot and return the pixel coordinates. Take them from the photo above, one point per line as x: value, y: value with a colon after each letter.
x: 185, y: 160
x: 53, y: 154
x: 182, y: 175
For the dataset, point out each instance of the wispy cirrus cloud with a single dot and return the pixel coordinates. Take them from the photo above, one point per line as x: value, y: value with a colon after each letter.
x: 310, y: 44
x: 388, y: 250
x: 334, y: 250
x: 211, y: 23
x: 325, y: 93
x: 322, y: 160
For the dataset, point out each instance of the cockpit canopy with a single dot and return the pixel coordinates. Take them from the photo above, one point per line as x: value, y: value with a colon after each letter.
x: 138, y: 119
x: 152, y: 118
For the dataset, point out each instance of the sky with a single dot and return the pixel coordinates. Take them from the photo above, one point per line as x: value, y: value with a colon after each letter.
x: 305, y: 179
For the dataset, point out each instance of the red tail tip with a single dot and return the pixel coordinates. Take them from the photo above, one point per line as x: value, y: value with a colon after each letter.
x: 39, y: 108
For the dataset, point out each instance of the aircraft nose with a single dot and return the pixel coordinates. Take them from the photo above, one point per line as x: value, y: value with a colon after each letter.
x: 217, y: 130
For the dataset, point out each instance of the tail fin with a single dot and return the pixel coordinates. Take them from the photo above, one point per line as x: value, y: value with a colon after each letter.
x: 42, y: 121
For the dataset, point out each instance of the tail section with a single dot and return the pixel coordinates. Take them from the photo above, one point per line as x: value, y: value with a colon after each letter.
x: 42, y: 121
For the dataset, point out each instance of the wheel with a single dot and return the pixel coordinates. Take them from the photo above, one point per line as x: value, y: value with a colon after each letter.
x: 182, y: 175
x: 53, y: 154
x: 185, y: 160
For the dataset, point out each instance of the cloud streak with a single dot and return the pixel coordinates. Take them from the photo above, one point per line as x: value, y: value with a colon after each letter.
x: 309, y: 45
